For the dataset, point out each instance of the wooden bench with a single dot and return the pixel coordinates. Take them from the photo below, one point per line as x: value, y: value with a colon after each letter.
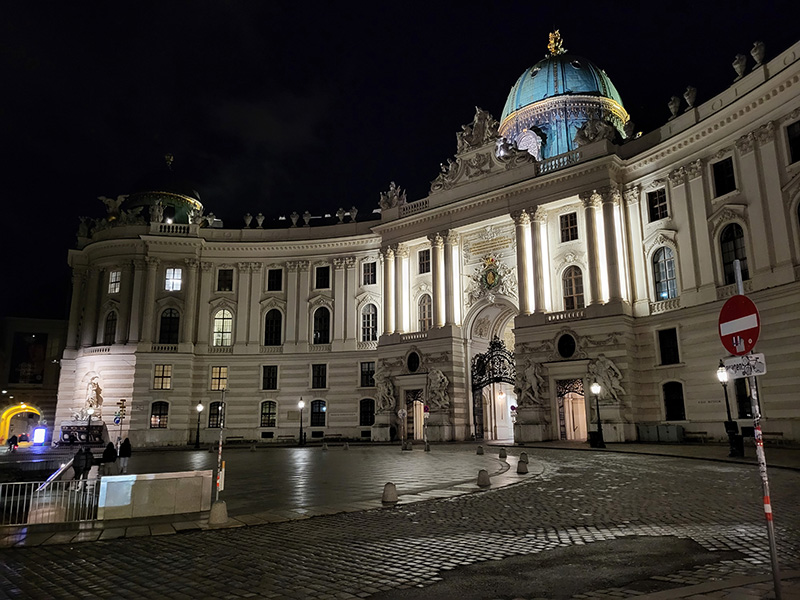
x: 234, y: 438
x: 695, y: 436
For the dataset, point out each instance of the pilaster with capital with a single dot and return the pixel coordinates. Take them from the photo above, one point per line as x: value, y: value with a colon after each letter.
x: 538, y: 221
x: 149, y: 299
x: 387, y: 260
x: 522, y: 222
x: 349, y: 307
x: 125, y: 290
x: 590, y: 201
x: 256, y: 286
x: 292, y: 299
x: 338, y: 333
x: 89, y: 330
x: 633, y: 210
x: 203, y: 311
x: 452, y: 276
x: 437, y: 278
x: 190, y: 305
x: 78, y: 286
x: 611, y: 199
x: 137, y: 299
x: 242, y: 303
x: 303, y: 294
x: 773, y: 195
x: 400, y: 291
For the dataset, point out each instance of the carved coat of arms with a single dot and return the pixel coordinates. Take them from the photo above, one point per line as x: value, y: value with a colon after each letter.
x: 491, y: 277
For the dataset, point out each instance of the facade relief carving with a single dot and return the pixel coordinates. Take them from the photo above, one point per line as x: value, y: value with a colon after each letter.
x: 438, y: 398
x: 694, y: 169
x: 607, y: 374
x: 530, y: 384
x: 482, y: 130
x: 490, y: 278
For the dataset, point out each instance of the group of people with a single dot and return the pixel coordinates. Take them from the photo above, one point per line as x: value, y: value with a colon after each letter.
x: 84, y: 460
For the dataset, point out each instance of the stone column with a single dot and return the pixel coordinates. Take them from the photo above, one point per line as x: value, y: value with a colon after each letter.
x: 590, y: 201
x: 748, y: 181
x: 437, y: 278
x: 203, y: 325
x: 681, y: 216
x: 339, y: 310
x: 242, y: 303
x: 292, y: 301
x: 135, y: 329
x: 640, y: 279
x: 78, y: 283
x: 522, y: 220
x: 610, y: 202
x: 539, y: 218
x: 400, y: 292
x: 451, y: 275
x: 254, y: 312
x: 387, y: 260
x: 149, y: 299
x: 125, y: 289
x: 696, y: 200
x: 89, y: 332
x: 779, y: 228
x: 190, y: 305
x: 351, y: 314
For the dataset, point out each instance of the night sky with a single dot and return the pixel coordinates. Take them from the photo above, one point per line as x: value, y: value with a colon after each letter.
x: 272, y: 107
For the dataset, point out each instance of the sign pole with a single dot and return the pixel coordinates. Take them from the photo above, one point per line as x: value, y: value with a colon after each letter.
x: 219, y: 453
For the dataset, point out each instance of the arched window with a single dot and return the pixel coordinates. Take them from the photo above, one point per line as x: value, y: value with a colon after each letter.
x: 159, y: 414
x: 170, y: 327
x: 366, y: 412
x: 318, y: 409
x: 223, y: 328
x: 664, y: 274
x: 731, y: 242
x: 573, y: 288
x: 110, y: 329
x: 215, y: 415
x: 425, y: 312
x: 369, y: 323
x: 273, y: 324
x: 269, y: 411
x: 674, y: 409
x: 322, y: 326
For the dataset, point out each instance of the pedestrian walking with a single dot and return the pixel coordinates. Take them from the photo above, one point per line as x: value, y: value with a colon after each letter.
x: 124, y: 454
x: 88, y: 462
x: 109, y: 460
x: 12, y: 443
x: 79, y: 464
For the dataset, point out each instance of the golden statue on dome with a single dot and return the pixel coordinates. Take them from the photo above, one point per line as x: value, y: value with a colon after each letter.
x: 556, y: 44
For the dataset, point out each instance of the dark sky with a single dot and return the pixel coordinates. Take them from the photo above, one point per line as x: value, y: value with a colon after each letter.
x: 271, y: 106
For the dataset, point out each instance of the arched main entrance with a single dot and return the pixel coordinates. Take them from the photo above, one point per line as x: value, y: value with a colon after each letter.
x: 489, y: 372
x: 13, y: 421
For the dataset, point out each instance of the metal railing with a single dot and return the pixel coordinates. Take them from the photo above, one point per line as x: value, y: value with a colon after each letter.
x: 29, y: 503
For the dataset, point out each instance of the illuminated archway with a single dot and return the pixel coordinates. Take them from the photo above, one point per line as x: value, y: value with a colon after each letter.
x: 10, y: 412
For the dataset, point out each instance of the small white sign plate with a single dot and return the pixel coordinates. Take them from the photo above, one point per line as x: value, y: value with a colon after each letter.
x: 745, y: 366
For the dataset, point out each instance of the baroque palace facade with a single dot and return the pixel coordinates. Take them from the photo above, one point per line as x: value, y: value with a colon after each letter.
x: 558, y: 234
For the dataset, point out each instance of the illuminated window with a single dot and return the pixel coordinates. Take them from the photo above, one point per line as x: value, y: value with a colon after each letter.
x: 369, y: 273
x: 170, y: 327
x: 114, y: 279
x: 322, y: 326
x: 657, y: 204
x: 674, y: 409
x: 110, y: 329
x: 269, y: 412
x: 366, y: 412
x: 223, y: 328
x: 162, y: 377
x: 215, y: 415
x: 269, y: 377
x: 322, y: 279
x: 664, y: 274
x: 424, y: 260
x: 225, y: 280
x: 732, y: 245
x: 369, y: 323
x: 273, y: 325
x: 368, y: 374
x: 724, y: 178
x: 159, y: 415
x: 219, y: 378
x: 573, y: 288
x: 793, y: 132
x: 425, y: 310
x: 569, y: 227
x: 173, y: 280
x: 319, y: 376
x: 275, y: 280
x: 318, y: 410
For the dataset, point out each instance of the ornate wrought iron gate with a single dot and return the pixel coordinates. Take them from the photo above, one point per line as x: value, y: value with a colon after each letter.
x: 496, y: 365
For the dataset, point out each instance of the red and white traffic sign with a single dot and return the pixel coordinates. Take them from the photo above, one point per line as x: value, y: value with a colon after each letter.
x: 739, y: 325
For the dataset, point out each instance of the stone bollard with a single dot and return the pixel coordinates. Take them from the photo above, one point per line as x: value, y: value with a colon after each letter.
x: 522, y: 468
x: 324, y: 445
x: 389, y: 494
x: 253, y: 448
x: 479, y: 452
x: 218, y: 514
x: 346, y: 447
x: 212, y: 449
x: 523, y: 457
x: 503, y: 453
x: 483, y: 478
x: 427, y: 447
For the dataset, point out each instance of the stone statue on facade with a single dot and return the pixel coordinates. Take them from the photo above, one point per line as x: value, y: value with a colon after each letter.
x: 608, y: 375
x: 294, y: 217
x: 757, y: 52
x: 530, y: 386
x: 674, y: 106
x: 438, y: 398
x: 394, y: 197
x: 113, y: 205
x: 739, y: 65
x: 94, y: 395
x: 483, y: 129
x: 157, y: 212
x: 385, y: 391
x: 83, y: 227
x: 690, y: 95
x: 629, y: 129
x: 593, y: 130
x: 353, y: 213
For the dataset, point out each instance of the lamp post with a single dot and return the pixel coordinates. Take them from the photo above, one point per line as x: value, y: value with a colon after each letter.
x: 595, y: 387
x: 731, y: 426
x: 90, y: 412
x: 301, y: 405
x: 199, y: 408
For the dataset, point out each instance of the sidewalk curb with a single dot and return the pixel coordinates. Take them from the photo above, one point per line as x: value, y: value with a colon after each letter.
x: 715, y: 586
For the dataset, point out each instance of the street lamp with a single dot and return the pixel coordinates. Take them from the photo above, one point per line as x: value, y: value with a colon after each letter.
x: 595, y: 387
x: 301, y: 405
x: 199, y: 408
x: 731, y: 426
x: 90, y: 412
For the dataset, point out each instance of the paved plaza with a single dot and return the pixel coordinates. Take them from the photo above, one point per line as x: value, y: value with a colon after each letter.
x: 580, y: 525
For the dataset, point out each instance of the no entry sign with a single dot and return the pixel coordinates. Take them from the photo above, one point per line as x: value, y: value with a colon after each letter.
x: 739, y: 325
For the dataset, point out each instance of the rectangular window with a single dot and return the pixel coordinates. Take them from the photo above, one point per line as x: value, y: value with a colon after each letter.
x: 114, y: 279
x: 162, y: 377
x: 424, y: 259
x: 173, y: 280
x: 269, y: 377
x: 219, y: 378
x: 225, y: 280
x: 159, y: 415
x: 657, y: 204
x: 215, y: 415
x: 322, y: 280
x: 367, y: 374
x: 741, y: 388
x: 275, y: 280
x: 319, y: 377
x: 369, y: 273
x: 269, y: 414
x: 668, y: 346
x: 793, y: 131
x: 569, y: 227
x: 724, y: 179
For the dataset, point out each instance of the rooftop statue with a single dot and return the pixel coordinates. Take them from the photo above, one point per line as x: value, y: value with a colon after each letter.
x: 482, y: 130
x: 394, y: 197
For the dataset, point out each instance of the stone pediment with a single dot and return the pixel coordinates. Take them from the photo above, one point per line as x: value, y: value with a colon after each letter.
x: 478, y: 163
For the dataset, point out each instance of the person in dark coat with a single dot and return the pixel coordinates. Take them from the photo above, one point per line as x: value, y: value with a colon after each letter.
x: 88, y: 462
x: 109, y: 460
x: 124, y: 454
x: 12, y: 443
x: 79, y: 464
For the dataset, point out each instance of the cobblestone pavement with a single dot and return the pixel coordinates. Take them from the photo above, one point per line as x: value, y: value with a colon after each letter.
x: 705, y: 518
